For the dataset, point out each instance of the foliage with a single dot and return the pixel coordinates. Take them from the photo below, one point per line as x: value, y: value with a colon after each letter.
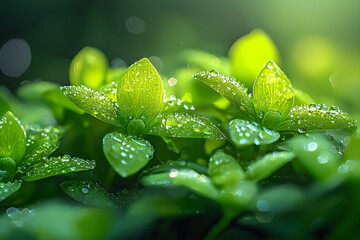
x: 219, y: 161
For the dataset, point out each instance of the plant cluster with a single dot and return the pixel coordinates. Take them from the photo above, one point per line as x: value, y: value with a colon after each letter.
x: 198, y: 145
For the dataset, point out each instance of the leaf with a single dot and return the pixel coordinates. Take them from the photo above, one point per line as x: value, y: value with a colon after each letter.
x: 249, y: 54
x: 57, y: 97
x: 89, y: 68
x: 110, y: 90
x: 315, y: 117
x: 6, y: 189
x: 40, y: 144
x: 56, y: 166
x: 316, y: 154
x: 229, y: 88
x: 272, y: 92
x: 184, y: 125
x: 4, y: 106
x: 198, y: 183
x: 243, y: 133
x: 174, y: 104
x: 94, y: 103
x: 267, y: 165
x: 89, y: 193
x: 127, y: 154
x: 224, y: 170
x: 12, y: 138
x: 140, y: 92
x: 7, y: 169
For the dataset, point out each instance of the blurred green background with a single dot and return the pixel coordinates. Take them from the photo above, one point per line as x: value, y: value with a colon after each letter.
x: 315, y: 38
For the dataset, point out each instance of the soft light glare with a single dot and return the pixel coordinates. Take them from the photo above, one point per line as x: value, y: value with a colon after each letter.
x: 15, y: 57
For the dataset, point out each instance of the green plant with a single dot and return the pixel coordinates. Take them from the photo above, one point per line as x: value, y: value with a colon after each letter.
x: 138, y: 110
x: 24, y: 156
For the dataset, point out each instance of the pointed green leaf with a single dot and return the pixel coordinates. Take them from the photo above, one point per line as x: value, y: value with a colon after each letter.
x: 40, y: 144
x: 110, y: 90
x: 272, y: 92
x: 229, y: 88
x: 94, y: 103
x: 184, y: 125
x: 224, y: 170
x: 249, y: 54
x: 183, y: 177
x: 89, y: 68
x: 267, y: 165
x: 89, y: 193
x: 56, y: 166
x: 127, y: 154
x: 140, y: 92
x: 12, y: 138
x: 243, y: 133
x: 6, y: 189
x: 315, y: 117
x: 316, y: 154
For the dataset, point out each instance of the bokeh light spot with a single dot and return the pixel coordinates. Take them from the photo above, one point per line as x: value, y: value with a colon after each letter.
x: 15, y: 57
x: 135, y: 25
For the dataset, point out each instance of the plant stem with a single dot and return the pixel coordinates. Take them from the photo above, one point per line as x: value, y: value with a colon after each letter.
x: 219, y: 227
x: 109, y: 178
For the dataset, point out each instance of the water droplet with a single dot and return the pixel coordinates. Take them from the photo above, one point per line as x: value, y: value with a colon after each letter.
x: 85, y: 190
x: 300, y: 130
x: 312, y: 146
x: 263, y: 206
x: 173, y: 173
x: 323, y: 158
x: 261, y: 114
x: 123, y: 162
x: 214, y: 73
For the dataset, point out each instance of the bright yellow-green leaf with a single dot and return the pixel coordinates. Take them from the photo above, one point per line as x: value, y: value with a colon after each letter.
x: 12, y: 138
x: 89, y: 68
x: 249, y: 54
x: 272, y: 92
x: 140, y: 93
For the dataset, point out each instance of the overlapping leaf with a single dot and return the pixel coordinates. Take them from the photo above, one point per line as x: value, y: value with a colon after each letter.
x: 57, y: 166
x: 267, y: 165
x: 40, y: 144
x: 6, y: 189
x: 224, y: 170
x: 126, y: 154
x: 94, y: 103
x: 243, y: 133
x: 186, y: 125
x: 88, y: 192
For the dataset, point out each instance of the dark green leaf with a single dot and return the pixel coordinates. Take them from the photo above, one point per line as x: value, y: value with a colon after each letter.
x: 87, y: 192
x: 56, y: 166
x: 186, y: 125
x: 315, y: 117
x: 4, y: 106
x: 7, y: 169
x: 40, y: 144
x: 94, y: 103
x: 89, y: 68
x: 6, y: 189
x: 272, y: 92
x: 140, y: 92
x: 224, y: 170
x: 12, y: 138
x: 126, y: 154
x: 243, y: 133
x: 267, y: 165
x: 229, y: 88
x: 184, y: 177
